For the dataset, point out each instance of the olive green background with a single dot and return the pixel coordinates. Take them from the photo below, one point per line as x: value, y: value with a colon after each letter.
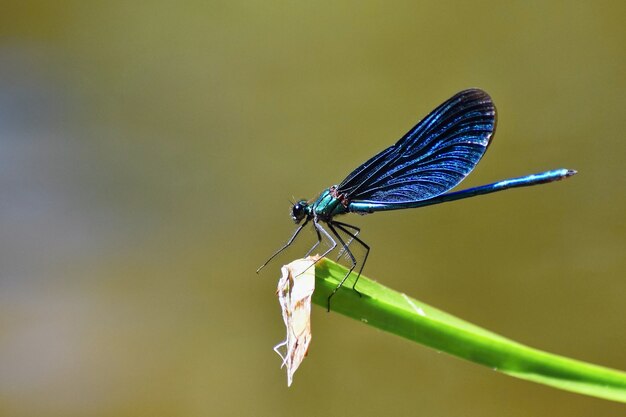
x: 148, y: 151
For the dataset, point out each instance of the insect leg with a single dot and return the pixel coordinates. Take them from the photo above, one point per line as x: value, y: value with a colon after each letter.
x: 342, y: 226
x: 318, y: 229
x: 325, y: 233
x: 347, y: 250
x: 349, y: 241
x: 319, y: 240
x: 285, y: 246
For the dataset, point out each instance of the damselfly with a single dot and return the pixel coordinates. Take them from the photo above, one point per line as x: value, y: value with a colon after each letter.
x: 432, y: 158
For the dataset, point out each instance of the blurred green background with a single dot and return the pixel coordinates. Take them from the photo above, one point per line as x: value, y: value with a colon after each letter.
x: 148, y: 152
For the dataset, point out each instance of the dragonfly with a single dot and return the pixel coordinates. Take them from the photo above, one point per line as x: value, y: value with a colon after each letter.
x: 419, y: 170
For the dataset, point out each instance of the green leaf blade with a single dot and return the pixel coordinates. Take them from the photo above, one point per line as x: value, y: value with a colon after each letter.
x: 396, y: 313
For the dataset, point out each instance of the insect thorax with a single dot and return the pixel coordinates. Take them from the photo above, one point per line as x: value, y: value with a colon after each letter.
x: 329, y: 204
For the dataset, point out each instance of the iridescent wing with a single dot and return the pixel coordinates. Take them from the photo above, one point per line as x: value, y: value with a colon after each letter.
x: 433, y: 157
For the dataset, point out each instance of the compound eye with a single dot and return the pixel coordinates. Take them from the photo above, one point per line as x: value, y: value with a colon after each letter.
x: 298, y: 212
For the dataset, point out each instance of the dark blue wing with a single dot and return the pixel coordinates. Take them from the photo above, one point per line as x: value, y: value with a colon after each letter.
x: 431, y: 158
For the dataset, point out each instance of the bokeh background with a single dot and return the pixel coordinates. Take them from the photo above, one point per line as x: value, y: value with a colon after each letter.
x: 148, y: 151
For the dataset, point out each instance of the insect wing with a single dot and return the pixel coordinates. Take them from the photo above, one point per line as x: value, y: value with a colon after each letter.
x: 433, y: 157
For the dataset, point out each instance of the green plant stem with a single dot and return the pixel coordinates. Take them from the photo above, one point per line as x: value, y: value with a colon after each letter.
x: 397, y: 313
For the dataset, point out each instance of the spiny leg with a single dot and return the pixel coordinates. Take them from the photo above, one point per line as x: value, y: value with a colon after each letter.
x: 319, y: 228
x: 342, y: 227
x: 319, y: 240
x: 349, y: 242
x: 357, y: 230
x: 352, y: 258
x: 285, y: 246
